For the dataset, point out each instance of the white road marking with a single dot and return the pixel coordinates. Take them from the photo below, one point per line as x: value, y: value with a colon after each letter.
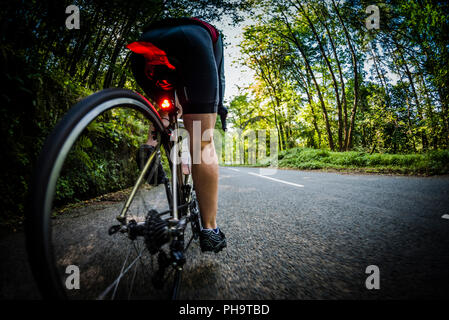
x: 445, y: 216
x: 234, y: 169
x: 277, y: 180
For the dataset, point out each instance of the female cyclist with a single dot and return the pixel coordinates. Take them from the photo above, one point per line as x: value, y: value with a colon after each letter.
x: 186, y: 55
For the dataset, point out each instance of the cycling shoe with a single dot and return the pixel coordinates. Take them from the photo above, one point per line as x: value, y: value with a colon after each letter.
x: 211, y: 241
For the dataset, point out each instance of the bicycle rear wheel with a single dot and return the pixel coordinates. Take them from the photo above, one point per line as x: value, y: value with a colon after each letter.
x: 85, y: 173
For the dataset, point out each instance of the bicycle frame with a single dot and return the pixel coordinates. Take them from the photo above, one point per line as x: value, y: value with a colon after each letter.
x: 169, y: 134
x: 179, y: 193
x: 182, y: 205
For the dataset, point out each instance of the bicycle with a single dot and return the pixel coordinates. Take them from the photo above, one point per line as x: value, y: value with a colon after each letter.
x: 151, y: 226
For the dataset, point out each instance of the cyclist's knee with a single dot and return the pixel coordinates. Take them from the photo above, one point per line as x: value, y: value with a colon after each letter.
x: 206, y: 144
x: 207, y: 138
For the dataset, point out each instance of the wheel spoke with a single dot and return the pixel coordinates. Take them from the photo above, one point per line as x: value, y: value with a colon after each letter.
x: 122, y: 272
x: 79, y: 153
x: 188, y: 244
x: 132, y: 281
x: 141, y: 259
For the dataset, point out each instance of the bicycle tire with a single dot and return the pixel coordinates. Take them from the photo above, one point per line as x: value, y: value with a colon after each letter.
x: 38, y: 216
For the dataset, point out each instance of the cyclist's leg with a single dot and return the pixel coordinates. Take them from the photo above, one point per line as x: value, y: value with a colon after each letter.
x: 205, y: 173
x: 199, y: 93
x: 201, y: 81
x: 146, y: 149
x: 152, y: 141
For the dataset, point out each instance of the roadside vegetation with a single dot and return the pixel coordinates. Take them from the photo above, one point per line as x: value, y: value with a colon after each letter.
x: 429, y: 163
x: 339, y: 95
x: 48, y: 68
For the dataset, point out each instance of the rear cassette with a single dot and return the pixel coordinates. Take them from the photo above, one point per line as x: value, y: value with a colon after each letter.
x: 156, y: 232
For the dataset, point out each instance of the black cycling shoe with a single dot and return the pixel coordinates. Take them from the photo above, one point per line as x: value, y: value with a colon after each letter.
x: 211, y: 241
x: 143, y: 154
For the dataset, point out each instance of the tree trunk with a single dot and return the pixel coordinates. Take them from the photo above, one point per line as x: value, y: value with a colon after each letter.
x: 415, y: 95
x: 407, y: 102
x: 340, y: 73
x: 429, y: 113
x: 82, y: 44
x: 306, y: 85
x: 101, y: 33
x: 272, y: 91
x: 123, y: 68
x: 334, y: 80
x: 348, y: 138
x: 309, y: 69
x: 119, y: 46
x: 444, y: 115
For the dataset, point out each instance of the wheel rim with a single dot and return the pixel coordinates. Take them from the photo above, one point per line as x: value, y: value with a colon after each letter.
x: 135, y: 250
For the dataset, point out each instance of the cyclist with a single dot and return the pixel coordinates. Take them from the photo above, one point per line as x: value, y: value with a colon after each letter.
x: 186, y: 54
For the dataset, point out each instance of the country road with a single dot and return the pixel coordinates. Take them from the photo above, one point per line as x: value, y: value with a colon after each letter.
x: 299, y: 235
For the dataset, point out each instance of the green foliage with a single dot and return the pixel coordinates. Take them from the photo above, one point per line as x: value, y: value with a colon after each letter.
x: 430, y: 163
x: 47, y: 68
x: 306, y: 86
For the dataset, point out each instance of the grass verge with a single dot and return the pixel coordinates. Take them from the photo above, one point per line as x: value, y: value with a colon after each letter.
x: 423, y: 164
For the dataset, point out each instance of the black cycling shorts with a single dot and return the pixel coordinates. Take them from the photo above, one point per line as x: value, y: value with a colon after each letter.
x: 199, y: 65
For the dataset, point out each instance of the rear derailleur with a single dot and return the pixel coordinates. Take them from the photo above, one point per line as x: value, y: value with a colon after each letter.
x: 156, y: 232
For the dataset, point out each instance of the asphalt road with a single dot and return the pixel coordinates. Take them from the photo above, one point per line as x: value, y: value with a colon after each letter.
x: 291, y: 235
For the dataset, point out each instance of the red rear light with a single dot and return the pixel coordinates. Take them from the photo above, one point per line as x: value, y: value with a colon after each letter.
x: 165, y: 104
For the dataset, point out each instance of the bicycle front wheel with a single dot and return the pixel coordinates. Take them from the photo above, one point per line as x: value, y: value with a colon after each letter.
x: 83, y: 178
